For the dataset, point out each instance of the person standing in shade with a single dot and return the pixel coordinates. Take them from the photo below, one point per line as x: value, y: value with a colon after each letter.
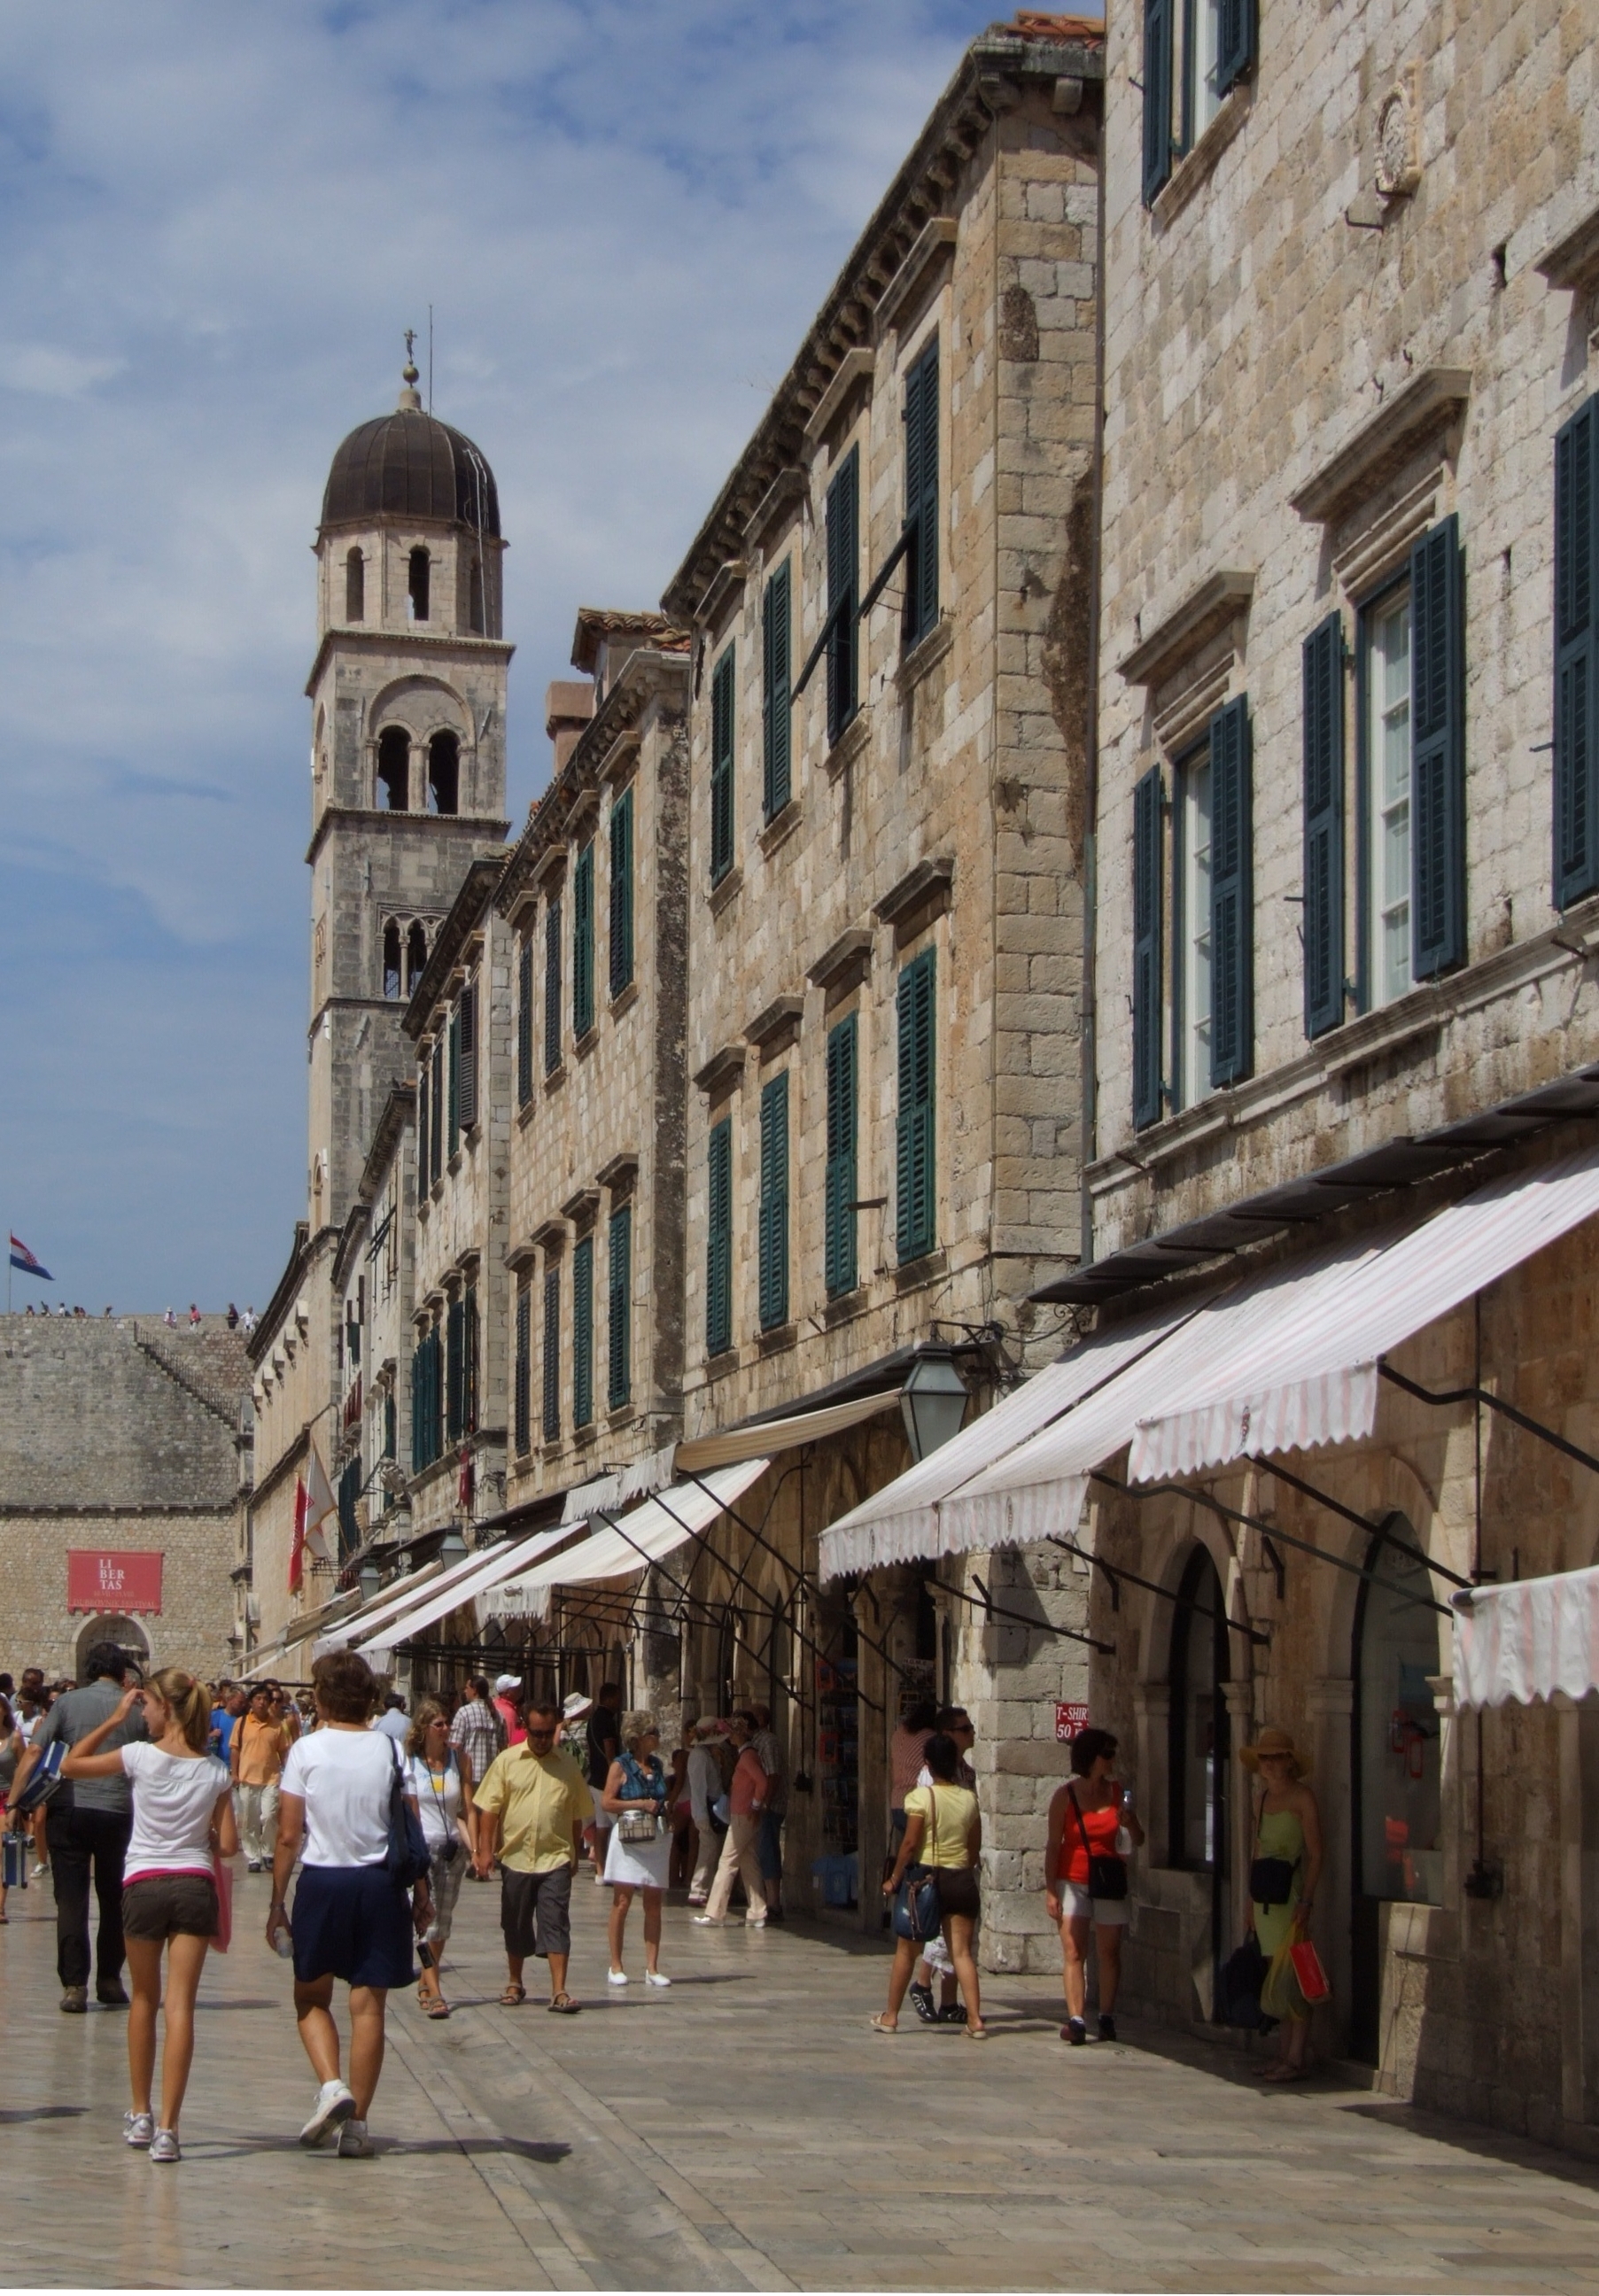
x: 641, y: 1847
x: 531, y: 1809
x: 704, y: 1792
x: 440, y: 1777
x: 88, y: 1825
x: 1088, y: 1818
x: 769, y: 1842
x: 1287, y: 1862
x: 258, y: 1746
x: 393, y: 1720
x: 740, y: 1857
x: 936, y: 1959
x: 351, y: 1918
x: 11, y: 1754
x: 604, y: 1744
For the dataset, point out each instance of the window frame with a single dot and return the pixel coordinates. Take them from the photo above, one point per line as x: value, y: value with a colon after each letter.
x: 1380, y: 597
x: 772, y: 1234
x: 618, y: 1312
x: 1181, y: 1090
x: 620, y: 956
x: 723, y: 740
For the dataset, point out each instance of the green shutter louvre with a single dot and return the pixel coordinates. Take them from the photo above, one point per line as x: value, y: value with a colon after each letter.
x: 552, y: 987
x: 841, y: 1188
x: 1324, y: 798
x: 1437, y: 752
x: 1576, y: 656
x: 469, y: 1057
x: 551, y: 1354
x: 721, y: 768
x: 922, y: 493
x: 915, y: 1135
x: 1157, y: 96
x: 583, y: 942
x: 773, y: 1214
x: 455, y: 1081
x: 1235, y: 43
x: 843, y: 556
x: 524, y: 1022
x: 618, y: 1327
x: 455, y: 1413
x: 436, y: 1159
x: 1148, y: 939
x: 622, y: 892
x: 422, y: 1132
x: 1231, y: 897
x: 583, y: 1332
x: 523, y: 1404
x: 776, y: 711
x: 718, y: 1239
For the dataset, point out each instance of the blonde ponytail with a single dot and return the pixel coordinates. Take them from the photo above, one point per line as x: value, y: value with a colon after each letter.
x: 189, y: 1701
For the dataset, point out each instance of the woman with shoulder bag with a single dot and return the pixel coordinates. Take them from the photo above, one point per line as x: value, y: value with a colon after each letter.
x: 440, y: 1775
x: 1086, y: 1878
x: 934, y: 1882
x: 1284, y: 1872
x: 640, y: 1850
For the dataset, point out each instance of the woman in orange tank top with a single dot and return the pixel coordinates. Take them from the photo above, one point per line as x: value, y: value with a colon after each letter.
x: 1086, y: 1878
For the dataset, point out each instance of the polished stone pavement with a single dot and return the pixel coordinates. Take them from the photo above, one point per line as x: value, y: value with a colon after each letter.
x: 746, y: 2129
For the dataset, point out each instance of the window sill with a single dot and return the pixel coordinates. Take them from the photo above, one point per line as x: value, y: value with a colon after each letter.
x: 912, y: 1273
x: 621, y: 1415
x: 551, y: 1447
x: 624, y: 999
x: 717, y: 1366
x: 554, y: 1078
x: 849, y: 744
x: 1195, y: 168
x: 778, y: 1340
x: 844, y: 1307
x: 583, y: 1044
x: 524, y: 1114
x: 781, y: 827
x: 724, y: 890
x: 585, y: 1436
x: 926, y: 653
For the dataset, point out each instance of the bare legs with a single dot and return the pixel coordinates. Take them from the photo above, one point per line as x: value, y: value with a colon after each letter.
x: 1074, y: 1969
x: 900, y: 1977
x: 185, y: 1960
x: 320, y: 2036
x: 621, y: 1898
x: 515, y: 1962
x: 958, y: 1931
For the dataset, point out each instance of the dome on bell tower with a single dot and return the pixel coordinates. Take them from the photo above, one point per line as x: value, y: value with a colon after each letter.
x: 410, y: 466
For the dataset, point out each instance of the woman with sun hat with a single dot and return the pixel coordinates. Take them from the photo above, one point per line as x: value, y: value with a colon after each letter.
x: 1284, y: 1872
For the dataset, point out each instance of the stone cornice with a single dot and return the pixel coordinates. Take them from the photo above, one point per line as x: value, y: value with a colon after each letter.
x: 371, y: 820
x: 1201, y: 614
x: 1420, y: 410
x: 463, y: 646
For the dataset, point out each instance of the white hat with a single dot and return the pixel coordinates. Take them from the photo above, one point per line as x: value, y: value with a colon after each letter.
x: 577, y: 1705
x: 506, y: 1682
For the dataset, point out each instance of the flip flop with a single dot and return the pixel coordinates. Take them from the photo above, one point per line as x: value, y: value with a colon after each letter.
x: 513, y: 1996
x: 879, y: 2025
x: 563, y: 2005
x: 439, y: 2008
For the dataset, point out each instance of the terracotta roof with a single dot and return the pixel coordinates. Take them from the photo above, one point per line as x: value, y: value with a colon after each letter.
x: 1034, y: 24
x: 597, y: 623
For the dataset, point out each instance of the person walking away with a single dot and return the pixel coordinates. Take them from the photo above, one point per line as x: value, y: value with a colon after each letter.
x: 350, y: 1919
x: 907, y: 1751
x: 1285, y: 1868
x: 507, y: 1705
x: 937, y: 1858
x: 640, y: 1847
x: 477, y: 1733
x: 935, y: 1961
x: 86, y: 1826
x: 393, y: 1721
x: 604, y: 1744
x: 257, y: 1747
x: 704, y: 1783
x: 769, y: 1842
x: 182, y: 1825
x: 680, y: 1820
x: 1085, y: 1885
x: 746, y: 1799
x: 32, y: 1705
x: 531, y: 1810
x: 440, y: 1778
x: 12, y: 1749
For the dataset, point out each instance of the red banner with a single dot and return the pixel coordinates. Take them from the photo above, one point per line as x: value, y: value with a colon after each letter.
x: 98, y: 1580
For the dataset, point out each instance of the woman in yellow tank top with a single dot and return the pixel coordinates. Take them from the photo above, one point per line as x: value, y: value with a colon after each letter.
x: 938, y: 1854
x: 1288, y: 1833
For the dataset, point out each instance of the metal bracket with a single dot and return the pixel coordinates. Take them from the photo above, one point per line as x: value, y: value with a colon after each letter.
x: 1495, y: 1403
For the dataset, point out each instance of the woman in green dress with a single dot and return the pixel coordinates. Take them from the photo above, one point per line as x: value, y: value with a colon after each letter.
x: 1288, y: 1833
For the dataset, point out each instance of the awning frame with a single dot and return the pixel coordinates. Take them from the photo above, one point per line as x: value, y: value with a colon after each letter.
x: 1477, y: 1395
x: 1115, y: 1573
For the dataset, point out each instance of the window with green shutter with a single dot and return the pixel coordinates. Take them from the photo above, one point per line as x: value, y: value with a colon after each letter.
x: 435, y: 1158
x: 776, y: 702
x: 426, y: 1400
x: 453, y: 1138
x: 522, y: 1373
x: 841, y: 1188
x: 1231, y: 897
x: 773, y: 1239
x: 583, y: 1332
x: 921, y: 495
x: 1437, y: 751
x: 1148, y: 937
x: 422, y: 1130
x: 1157, y: 46
x: 524, y: 1020
x: 469, y: 1057
x: 1576, y: 656
x: 390, y: 1426
x: 1194, y: 51
x: 622, y: 892
x: 1323, y: 804
x: 418, y: 1400
x: 843, y: 564
x: 618, y: 1324
x: 718, y: 1239
x: 552, y: 1353
x: 916, y: 1208
x: 583, y: 942
x: 470, y: 1338
x: 552, y: 986
x: 721, y: 768
x: 455, y: 1372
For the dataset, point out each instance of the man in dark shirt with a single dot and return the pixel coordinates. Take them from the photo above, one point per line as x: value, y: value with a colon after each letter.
x: 604, y: 1736
x: 88, y: 1825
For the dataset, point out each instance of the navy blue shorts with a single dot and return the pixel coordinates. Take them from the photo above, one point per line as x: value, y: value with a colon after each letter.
x: 351, y: 1922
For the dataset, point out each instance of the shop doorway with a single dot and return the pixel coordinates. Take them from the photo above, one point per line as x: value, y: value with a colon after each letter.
x: 1200, y: 1753
x: 1396, y: 1801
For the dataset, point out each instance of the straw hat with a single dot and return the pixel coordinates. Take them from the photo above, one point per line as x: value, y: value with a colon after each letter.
x: 1273, y: 1741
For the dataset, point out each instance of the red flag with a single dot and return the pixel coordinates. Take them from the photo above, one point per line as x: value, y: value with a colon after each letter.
x: 465, y: 1480
x: 297, y: 1552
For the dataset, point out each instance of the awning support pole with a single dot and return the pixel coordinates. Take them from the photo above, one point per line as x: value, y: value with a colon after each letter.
x: 1480, y: 1394
x: 1182, y: 1602
x: 1364, y: 1523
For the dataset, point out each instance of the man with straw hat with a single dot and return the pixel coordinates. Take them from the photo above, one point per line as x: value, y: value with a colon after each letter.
x: 1284, y: 1872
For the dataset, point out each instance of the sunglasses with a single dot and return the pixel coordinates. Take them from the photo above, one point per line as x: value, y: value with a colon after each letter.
x: 541, y: 1734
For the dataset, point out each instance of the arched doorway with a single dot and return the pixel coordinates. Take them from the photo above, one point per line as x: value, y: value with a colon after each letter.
x: 1200, y: 1754
x: 1397, y: 1804
x: 111, y: 1627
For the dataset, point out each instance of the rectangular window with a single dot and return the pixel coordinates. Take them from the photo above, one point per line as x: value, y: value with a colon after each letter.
x: 582, y: 942
x: 390, y: 1426
x: 469, y: 1057
x: 421, y: 1129
x: 552, y: 1353
x: 1437, y: 751
x: 1576, y: 656
x: 622, y: 892
x: 841, y: 1187
x: 776, y: 711
x: 1323, y: 805
x: 1194, y: 51
x: 1385, y: 851
x: 454, y: 1370
x: 552, y: 987
x: 1191, y: 932
x: 718, y: 1239
x: 522, y: 1385
x: 916, y: 1137
x: 455, y: 1080
x: 721, y: 768
x: 469, y: 1361
x: 426, y: 1397
x: 1148, y: 944
x: 772, y: 1241
x: 1231, y: 897
x: 524, y: 1020
x: 583, y: 1332
x: 436, y: 1160
x: 921, y: 495
x: 618, y: 1324
x: 843, y: 566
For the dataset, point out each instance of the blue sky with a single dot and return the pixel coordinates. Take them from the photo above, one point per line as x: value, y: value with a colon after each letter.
x: 215, y: 222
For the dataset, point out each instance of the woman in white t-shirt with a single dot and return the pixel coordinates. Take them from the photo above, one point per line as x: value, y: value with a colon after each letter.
x: 440, y: 1775
x: 183, y: 1821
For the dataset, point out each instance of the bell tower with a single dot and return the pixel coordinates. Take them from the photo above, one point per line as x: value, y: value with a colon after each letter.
x: 407, y: 697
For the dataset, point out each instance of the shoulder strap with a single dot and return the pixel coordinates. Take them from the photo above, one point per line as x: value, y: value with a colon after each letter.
x: 1077, y: 1811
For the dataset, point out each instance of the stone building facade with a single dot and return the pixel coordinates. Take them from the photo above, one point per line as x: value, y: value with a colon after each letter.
x: 375, y: 1271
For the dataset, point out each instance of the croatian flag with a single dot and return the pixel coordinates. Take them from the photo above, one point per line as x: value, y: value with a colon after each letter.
x: 20, y: 1256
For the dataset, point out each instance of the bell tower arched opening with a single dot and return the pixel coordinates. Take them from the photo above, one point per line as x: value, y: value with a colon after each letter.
x: 417, y: 955
x: 391, y: 959
x: 418, y: 584
x: 355, y: 587
x: 394, y: 768
x: 443, y: 774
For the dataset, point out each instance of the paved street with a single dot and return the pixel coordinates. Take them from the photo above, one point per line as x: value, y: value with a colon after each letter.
x: 743, y: 2130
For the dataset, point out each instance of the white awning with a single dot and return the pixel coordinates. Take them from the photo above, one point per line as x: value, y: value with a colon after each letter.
x: 902, y: 1522
x: 767, y: 1435
x: 1528, y: 1640
x: 645, y: 1536
x: 457, y: 1587
x: 1312, y: 1377
x: 393, y: 1597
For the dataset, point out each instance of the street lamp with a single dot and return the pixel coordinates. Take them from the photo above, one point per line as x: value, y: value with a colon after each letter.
x: 933, y: 1401
x: 370, y: 1579
x: 454, y: 1549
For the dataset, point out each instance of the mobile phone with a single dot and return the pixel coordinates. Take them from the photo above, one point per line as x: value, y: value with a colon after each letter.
x: 424, y: 1954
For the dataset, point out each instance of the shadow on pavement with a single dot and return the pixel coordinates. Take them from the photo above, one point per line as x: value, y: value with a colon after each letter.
x: 1500, y: 2145
x: 42, y: 2113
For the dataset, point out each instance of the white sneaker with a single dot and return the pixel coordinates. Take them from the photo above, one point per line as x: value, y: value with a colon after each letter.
x: 353, y: 2142
x: 616, y: 1977
x: 138, y: 2129
x: 654, y: 1977
x: 164, y: 2145
x: 335, y: 2104
x: 709, y: 1921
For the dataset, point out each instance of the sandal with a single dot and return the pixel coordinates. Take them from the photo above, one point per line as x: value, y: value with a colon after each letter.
x: 437, y: 2007
x: 563, y: 2005
x: 513, y: 1996
x: 882, y: 2025
x: 977, y: 2032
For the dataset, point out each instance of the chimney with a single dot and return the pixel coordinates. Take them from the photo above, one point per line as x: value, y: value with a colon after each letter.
x: 569, y: 704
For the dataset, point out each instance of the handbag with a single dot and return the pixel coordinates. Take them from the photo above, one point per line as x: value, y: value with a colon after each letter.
x: 46, y: 1779
x: 637, y: 1826
x: 1107, y: 1876
x: 16, y: 1857
x: 1238, y: 1987
x: 407, y: 1861
x: 917, y: 1912
x: 1314, y: 1981
x: 1271, y: 1880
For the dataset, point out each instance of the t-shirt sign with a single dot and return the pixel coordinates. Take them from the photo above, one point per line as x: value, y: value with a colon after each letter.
x: 1068, y: 1720
x: 101, y: 1580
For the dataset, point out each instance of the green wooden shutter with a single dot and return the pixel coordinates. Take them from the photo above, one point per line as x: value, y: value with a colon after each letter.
x: 840, y: 1255
x: 455, y: 1371
x: 583, y: 1332
x: 455, y: 1080
x: 418, y: 1379
x: 1148, y: 940
x: 775, y: 705
x: 552, y: 1353
x: 721, y: 768
x: 1576, y: 656
x: 843, y: 557
x: 1437, y: 752
x: 552, y: 987
x: 1323, y: 735
x: 583, y: 942
x: 619, y: 1325
x: 470, y: 1338
x: 622, y: 892
x: 524, y: 1020
x: 922, y: 493
x: 1235, y: 43
x: 437, y: 1157
x: 774, y: 1215
x: 718, y: 1239
x: 1231, y: 897
x: 522, y: 1389
x: 915, y: 1135
x: 469, y: 1057
x: 422, y: 1132
x: 390, y: 1426
x: 1157, y: 96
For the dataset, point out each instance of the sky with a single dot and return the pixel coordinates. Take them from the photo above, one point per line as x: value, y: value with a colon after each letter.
x: 215, y: 224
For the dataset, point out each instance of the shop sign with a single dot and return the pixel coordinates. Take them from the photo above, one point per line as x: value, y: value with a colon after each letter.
x: 98, y: 1580
x: 1069, y: 1718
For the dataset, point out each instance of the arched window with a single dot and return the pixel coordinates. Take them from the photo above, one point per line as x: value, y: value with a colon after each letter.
x: 416, y: 956
x: 444, y: 772
x: 418, y: 585
x: 1200, y: 1751
x: 394, y: 767
x: 391, y: 959
x: 1396, y: 1745
x: 355, y: 587
x: 475, y: 609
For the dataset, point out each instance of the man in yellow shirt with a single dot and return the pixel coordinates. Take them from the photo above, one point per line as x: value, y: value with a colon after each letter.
x: 261, y: 1737
x: 532, y: 1806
